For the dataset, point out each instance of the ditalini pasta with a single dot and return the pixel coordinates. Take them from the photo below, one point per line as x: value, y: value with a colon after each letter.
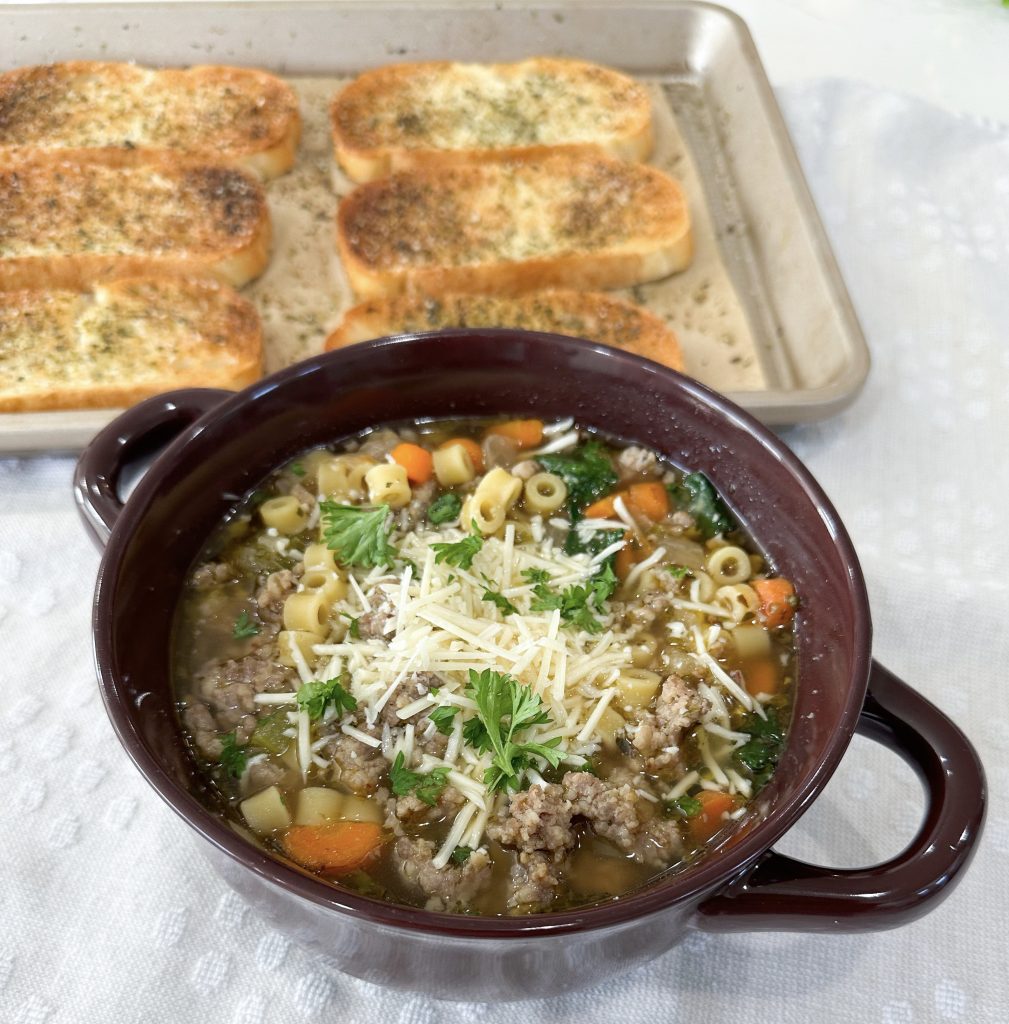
x: 486, y: 666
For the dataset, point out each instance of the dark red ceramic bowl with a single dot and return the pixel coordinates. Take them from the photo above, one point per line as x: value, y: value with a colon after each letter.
x: 224, y: 444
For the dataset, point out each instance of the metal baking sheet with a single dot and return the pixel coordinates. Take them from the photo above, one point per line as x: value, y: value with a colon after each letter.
x: 762, y: 315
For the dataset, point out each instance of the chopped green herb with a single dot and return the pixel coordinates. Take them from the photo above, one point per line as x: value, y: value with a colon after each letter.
x: 760, y: 753
x: 504, y: 708
x: 685, y: 806
x: 588, y: 473
x: 269, y: 733
x: 460, y: 854
x: 443, y: 717
x: 353, y: 626
x: 244, y: 627
x: 316, y: 696
x: 445, y: 508
x: 697, y: 496
x: 576, y: 603
x: 297, y: 469
x: 359, y: 536
x: 233, y: 757
x: 409, y: 562
x: 536, y: 575
x: 461, y: 552
x: 500, y: 601
x: 679, y: 572
x: 425, y: 787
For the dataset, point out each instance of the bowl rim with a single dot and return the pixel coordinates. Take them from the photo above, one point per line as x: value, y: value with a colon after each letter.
x: 725, y: 865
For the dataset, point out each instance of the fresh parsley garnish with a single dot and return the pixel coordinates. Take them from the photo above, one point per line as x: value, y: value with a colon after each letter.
x: 359, y: 536
x: 233, y: 757
x: 697, y: 496
x: 685, y: 806
x: 536, y: 575
x: 460, y: 854
x: 577, y: 603
x: 445, y: 508
x: 679, y: 572
x: 244, y: 626
x: 353, y: 626
x: 461, y: 552
x: 425, y: 787
x: 316, y: 696
x: 504, y: 709
x: 500, y: 601
x: 760, y: 753
x: 297, y: 469
x: 588, y: 473
x: 443, y: 717
x: 409, y: 563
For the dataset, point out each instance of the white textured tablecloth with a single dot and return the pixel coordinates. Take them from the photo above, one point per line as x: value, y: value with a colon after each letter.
x: 109, y: 914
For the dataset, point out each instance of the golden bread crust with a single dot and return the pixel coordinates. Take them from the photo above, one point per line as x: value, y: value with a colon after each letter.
x: 406, y: 116
x: 124, y: 341
x: 125, y: 115
x: 590, y: 315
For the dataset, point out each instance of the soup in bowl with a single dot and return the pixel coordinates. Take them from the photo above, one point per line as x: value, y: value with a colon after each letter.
x: 540, y: 680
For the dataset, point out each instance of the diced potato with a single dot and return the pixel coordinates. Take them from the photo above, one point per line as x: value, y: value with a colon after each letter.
x: 636, y: 686
x: 608, y: 726
x: 751, y: 641
x: 318, y: 805
x: 265, y: 812
x: 287, y: 638
x: 359, y: 808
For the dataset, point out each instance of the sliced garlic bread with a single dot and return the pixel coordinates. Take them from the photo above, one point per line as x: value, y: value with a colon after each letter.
x: 123, y: 341
x: 411, y: 115
x: 590, y: 315
x: 123, y: 115
x: 512, y: 226
x: 67, y: 224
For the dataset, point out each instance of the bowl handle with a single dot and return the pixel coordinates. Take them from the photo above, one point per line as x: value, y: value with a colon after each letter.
x: 142, y: 430
x: 780, y: 893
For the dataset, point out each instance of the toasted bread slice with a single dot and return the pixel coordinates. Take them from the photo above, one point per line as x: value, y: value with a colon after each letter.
x: 122, y: 342
x: 590, y: 315
x: 66, y: 224
x: 124, y: 115
x: 412, y: 115
x: 512, y: 226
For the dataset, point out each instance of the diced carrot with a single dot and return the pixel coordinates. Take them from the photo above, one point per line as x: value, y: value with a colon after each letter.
x: 777, y: 601
x: 473, y: 449
x: 650, y: 499
x: 335, y: 848
x: 634, y: 551
x: 603, y: 508
x: 415, y: 460
x: 762, y: 676
x: 710, y: 820
x: 525, y: 433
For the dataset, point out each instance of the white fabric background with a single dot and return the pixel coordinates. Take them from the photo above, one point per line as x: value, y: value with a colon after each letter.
x: 109, y: 913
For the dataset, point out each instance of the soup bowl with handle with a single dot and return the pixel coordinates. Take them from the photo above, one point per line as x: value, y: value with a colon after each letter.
x: 216, y: 446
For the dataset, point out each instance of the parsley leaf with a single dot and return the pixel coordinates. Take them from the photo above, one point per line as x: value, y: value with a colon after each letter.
x: 460, y: 854
x: 232, y: 757
x: 443, y: 717
x: 244, y: 626
x: 445, y: 508
x: 576, y: 603
x: 685, y: 806
x: 297, y: 469
x: 353, y: 626
x: 425, y: 787
x: 698, y: 497
x: 316, y: 696
x: 475, y: 734
x: 359, y: 536
x: 461, y: 552
x: 588, y: 473
x: 679, y: 572
x: 536, y: 575
x: 500, y: 601
x: 504, y: 708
